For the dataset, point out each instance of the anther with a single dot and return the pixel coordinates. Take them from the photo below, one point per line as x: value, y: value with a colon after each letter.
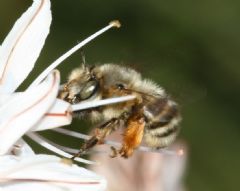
x: 115, y: 23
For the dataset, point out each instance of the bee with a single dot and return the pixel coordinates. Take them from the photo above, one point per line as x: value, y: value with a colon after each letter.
x: 152, y: 116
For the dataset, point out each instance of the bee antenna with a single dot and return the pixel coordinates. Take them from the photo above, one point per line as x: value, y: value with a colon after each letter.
x: 83, y: 59
x: 44, y: 74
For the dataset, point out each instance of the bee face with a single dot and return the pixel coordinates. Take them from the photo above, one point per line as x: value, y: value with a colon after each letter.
x: 152, y: 116
x: 82, y: 85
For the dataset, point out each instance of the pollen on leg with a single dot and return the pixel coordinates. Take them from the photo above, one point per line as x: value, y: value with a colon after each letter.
x: 132, y: 136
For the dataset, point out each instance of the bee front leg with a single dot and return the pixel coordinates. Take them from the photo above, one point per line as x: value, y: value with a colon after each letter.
x: 133, y: 135
x: 99, y: 135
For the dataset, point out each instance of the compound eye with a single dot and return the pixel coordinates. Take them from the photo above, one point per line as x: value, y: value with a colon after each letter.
x: 88, y: 90
x: 120, y: 86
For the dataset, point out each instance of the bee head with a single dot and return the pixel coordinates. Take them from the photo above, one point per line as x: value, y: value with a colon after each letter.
x: 82, y: 85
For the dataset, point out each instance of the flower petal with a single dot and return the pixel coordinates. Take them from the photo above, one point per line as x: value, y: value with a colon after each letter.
x: 23, y: 44
x: 58, y: 115
x: 4, y: 98
x: 48, y: 171
x: 19, y: 115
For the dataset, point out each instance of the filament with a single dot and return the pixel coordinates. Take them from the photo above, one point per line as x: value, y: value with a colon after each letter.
x: 92, y: 104
x: 66, y: 149
x: 72, y: 150
x: 71, y: 51
x: 117, y: 144
x: 42, y: 141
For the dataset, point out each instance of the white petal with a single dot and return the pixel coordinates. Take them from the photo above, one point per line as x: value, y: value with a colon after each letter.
x: 23, y: 44
x: 4, y: 98
x: 46, y: 171
x: 58, y: 115
x: 21, y: 113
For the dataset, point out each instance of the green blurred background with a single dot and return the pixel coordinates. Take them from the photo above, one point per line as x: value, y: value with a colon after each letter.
x: 191, y: 48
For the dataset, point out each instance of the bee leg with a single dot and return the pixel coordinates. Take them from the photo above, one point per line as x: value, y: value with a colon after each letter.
x: 63, y: 92
x: 133, y: 135
x: 114, y: 152
x: 99, y: 135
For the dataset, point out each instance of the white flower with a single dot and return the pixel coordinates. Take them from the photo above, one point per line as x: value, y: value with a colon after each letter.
x: 45, y: 172
x: 37, y: 108
x: 22, y: 111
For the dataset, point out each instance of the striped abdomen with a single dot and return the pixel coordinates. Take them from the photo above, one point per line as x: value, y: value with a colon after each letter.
x: 162, y: 119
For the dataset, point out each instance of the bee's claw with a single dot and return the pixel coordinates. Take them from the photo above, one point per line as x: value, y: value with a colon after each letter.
x: 80, y: 152
x: 114, y: 152
x: 126, y: 152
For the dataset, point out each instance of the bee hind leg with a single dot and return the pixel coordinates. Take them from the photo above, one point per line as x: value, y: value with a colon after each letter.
x: 133, y: 135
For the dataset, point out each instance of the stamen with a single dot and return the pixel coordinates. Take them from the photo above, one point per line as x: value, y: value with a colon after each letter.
x: 72, y: 150
x: 71, y: 51
x: 41, y: 141
x: 115, y: 23
x: 116, y: 144
x: 92, y: 104
x: 71, y: 133
x: 63, y: 148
